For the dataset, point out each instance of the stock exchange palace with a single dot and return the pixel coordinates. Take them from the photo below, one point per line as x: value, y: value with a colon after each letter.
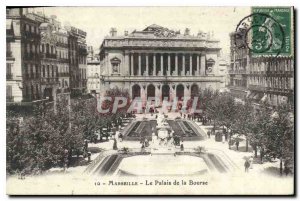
x: 159, y: 62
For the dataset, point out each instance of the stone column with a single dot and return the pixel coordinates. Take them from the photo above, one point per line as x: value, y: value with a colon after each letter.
x: 131, y: 64
x: 147, y: 64
x: 127, y: 67
x: 154, y: 64
x: 158, y: 91
x: 140, y: 65
x: 169, y: 65
x: 191, y: 64
x: 162, y: 64
x: 176, y: 64
x: 143, y: 94
x: 198, y: 65
x: 107, y: 64
x: 183, y: 64
x: 202, y: 66
x: 187, y: 92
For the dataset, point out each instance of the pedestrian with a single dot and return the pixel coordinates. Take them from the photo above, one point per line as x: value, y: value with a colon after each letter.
x: 181, y: 147
x: 237, y: 143
x: 286, y: 170
x: 247, y: 165
x: 184, y: 116
x: 208, y: 134
x: 121, y: 137
x: 115, y: 147
x: 146, y: 143
x: 251, y: 162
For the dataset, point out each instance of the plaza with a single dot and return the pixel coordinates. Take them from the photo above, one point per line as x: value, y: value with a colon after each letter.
x: 164, y: 158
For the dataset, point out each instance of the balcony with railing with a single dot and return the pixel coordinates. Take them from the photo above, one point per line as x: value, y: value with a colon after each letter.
x: 31, y: 56
x: 49, y: 80
x: 257, y: 72
x: 280, y: 90
x: 256, y: 87
x: 30, y: 35
x: 48, y: 56
x: 64, y: 60
x: 65, y: 74
x: 237, y: 71
x: 60, y: 44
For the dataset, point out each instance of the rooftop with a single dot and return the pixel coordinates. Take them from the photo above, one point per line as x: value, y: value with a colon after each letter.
x: 157, y: 31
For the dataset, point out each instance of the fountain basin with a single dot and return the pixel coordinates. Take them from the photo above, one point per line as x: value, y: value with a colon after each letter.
x: 158, y: 165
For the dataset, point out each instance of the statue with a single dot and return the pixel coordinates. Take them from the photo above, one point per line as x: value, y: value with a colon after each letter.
x: 115, y: 147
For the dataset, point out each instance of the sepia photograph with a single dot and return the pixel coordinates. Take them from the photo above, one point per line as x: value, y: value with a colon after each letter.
x: 150, y: 100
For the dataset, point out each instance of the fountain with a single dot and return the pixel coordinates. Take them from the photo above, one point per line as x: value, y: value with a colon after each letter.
x: 162, y: 143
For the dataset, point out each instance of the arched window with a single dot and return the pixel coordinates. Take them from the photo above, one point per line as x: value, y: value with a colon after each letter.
x: 136, y: 91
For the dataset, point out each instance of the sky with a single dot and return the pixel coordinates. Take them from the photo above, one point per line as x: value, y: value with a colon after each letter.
x: 97, y: 21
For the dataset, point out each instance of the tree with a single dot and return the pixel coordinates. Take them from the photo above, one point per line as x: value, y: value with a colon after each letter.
x: 259, y: 126
x: 115, y: 116
x: 14, y: 144
x: 280, y: 136
x: 244, y: 120
x: 38, y: 142
x: 108, y: 104
x: 84, y: 116
x: 223, y: 110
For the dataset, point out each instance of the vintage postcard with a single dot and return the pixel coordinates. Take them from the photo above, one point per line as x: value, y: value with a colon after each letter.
x: 150, y: 101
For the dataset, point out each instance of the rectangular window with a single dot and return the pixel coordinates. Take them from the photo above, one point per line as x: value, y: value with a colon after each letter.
x: 31, y: 71
x: 48, y: 71
x: 8, y: 91
x: 52, y: 71
x: 44, y: 71
x: 37, y: 71
x: 8, y: 69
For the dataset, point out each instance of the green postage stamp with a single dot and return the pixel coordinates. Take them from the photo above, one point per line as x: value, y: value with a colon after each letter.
x: 267, y: 31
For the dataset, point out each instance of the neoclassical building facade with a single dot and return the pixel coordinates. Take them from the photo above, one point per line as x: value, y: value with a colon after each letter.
x: 159, y: 62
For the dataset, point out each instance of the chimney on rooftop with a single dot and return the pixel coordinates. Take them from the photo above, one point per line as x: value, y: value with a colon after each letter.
x: 187, y: 32
x: 113, y: 32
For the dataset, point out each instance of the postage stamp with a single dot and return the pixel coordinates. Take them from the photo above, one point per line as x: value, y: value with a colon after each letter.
x: 267, y: 31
